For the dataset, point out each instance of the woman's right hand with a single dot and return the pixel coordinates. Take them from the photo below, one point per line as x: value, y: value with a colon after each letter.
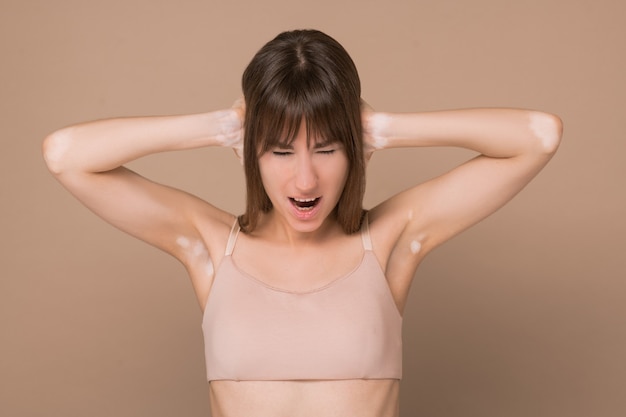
x: 236, y: 136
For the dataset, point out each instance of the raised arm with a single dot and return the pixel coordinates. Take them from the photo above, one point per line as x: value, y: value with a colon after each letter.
x: 513, y: 146
x: 88, y: 160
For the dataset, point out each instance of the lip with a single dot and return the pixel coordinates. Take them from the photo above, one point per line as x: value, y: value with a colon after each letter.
x: 305, y: 214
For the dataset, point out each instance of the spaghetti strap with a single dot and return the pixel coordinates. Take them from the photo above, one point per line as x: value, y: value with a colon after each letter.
x: 365, y: 233
x: 232, y: 238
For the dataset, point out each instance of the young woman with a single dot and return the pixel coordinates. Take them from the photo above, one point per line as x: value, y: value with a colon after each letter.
x: 303, y: 294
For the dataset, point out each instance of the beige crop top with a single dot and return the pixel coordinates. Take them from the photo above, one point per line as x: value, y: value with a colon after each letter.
x: 348, y: 329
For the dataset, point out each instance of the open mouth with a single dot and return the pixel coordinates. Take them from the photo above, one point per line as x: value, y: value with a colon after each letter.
x: 304, y: 204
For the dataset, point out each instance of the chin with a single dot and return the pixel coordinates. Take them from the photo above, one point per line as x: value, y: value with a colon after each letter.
x: 308, y: 226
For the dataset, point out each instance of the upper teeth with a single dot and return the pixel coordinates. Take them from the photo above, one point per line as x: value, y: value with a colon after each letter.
x: 304, y: 200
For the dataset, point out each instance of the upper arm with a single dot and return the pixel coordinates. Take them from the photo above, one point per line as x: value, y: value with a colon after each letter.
x: 452, y: 202
x: 444, y: 206
x: 409, y: 225
x: 162, y: 216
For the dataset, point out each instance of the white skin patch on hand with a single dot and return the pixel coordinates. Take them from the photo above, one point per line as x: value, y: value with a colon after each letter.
x: 376, y: 124
x: 544, y: 128
x: 228, y: 128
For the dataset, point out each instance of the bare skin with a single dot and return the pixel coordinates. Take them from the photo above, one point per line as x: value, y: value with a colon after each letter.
x: 513, y: 146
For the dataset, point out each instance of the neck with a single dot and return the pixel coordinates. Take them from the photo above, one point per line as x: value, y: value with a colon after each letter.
x: 274, y: 228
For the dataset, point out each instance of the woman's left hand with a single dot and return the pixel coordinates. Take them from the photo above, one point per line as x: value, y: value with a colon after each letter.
x: 374, y: 125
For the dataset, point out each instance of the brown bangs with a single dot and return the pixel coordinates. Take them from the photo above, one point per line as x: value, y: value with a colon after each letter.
x: 278, y: 127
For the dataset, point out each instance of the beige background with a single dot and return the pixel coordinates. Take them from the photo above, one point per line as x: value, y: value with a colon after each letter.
x: 523, y: 315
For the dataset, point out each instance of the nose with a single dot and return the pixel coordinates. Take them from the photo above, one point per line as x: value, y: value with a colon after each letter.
x: 306, y: 177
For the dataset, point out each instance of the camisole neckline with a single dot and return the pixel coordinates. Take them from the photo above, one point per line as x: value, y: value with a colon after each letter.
x: 232, y: 240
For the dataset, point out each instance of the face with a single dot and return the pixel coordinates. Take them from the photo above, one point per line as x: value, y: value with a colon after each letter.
x: 304, y: 181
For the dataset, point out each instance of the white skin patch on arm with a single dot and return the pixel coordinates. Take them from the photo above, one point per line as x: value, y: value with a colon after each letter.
x: 543, y: 126
x: 415, y: 247
x: 183, y: 242
x: 376, y: 125
x: 198, y: 249
x: 56, y: 149
x: 195, y: 251
x: 209, y: 269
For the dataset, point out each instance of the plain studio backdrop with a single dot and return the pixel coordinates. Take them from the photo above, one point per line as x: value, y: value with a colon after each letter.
x: 523, y: 315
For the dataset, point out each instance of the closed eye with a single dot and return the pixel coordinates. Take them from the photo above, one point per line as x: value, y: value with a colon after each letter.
x: 326, y: 151
x: 281, y: 153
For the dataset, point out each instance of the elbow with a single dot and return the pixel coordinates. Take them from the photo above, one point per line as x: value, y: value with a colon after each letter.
x: 55, y: 149
x: 547, y: 130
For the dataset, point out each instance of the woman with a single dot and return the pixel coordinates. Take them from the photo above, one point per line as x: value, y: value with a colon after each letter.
x: 303, y: 294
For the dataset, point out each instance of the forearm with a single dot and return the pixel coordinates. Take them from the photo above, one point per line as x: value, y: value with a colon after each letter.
x: 493, y: 132
x: 107, y: 144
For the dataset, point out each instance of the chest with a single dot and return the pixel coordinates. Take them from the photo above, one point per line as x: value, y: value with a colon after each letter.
x: 347, y: 329
x: 297, y: 271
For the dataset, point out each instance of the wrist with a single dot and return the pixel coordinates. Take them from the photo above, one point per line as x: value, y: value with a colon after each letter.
x: 225, y: 128
x: 376, y: 130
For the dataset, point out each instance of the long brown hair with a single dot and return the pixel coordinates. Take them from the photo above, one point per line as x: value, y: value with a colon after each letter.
x: 303, y: 74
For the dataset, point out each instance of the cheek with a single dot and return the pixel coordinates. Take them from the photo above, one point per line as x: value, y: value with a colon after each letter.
x: 344, y: 176
x: 343, y: 168
x: 271, y: 175
x: 337, y: 173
